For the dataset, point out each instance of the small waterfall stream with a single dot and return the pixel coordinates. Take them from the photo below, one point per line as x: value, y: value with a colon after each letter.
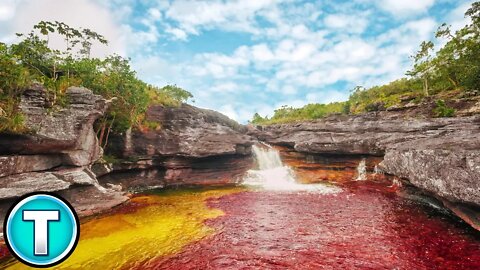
x: 272, y: 174
x: 362, y: 170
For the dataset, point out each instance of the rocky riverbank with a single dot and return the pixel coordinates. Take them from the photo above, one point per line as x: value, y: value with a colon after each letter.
x: 186, y: 145
x: 60, y: 153
x: 440, y: 156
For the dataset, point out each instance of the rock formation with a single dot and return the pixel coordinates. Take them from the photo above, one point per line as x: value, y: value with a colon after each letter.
x: 186, y: 145
x: 56, y: 154
x: 441, y: 156
x: 191, y: 146
x: 60, y: 153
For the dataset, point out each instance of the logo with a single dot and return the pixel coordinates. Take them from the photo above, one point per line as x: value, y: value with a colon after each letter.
x: 41, y: 229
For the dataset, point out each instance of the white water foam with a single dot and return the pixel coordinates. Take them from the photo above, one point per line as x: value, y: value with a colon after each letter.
x: 362, y: 170
x: 271, y: 174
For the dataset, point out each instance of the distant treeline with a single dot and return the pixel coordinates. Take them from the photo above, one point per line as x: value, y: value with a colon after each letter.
x: 446, y: 73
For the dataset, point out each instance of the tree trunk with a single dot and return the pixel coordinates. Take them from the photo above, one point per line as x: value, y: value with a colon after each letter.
x: 102, y: 133
x: 54, y: 71
x: 108, y: 133
x: 453, y: 81
x: 425, y: 85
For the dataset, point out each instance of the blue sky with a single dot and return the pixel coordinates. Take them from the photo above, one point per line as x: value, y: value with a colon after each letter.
x: 242, y: 57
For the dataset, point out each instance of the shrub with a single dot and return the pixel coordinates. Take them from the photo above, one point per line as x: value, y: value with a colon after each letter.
x: 442, y: 110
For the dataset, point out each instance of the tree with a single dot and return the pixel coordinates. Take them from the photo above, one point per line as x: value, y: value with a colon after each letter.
x: 459, y: 59
x: 424, y: 65
x: 176, y: 93
x: 32, y: 59
x: 455, y: 66
x: 257, y: 119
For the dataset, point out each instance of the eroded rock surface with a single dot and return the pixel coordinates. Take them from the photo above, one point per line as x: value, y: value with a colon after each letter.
x: 191, y: 146
x: 369, y: 134
x: 16, y: 164
x: 67, y: 130
x: 185, y: 131
x: 438, y: 155
x: 57, y: 152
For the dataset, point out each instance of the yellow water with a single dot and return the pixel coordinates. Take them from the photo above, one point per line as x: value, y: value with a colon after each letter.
x: 162, y: 224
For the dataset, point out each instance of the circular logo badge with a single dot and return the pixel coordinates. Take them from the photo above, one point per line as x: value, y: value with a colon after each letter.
x: 41, y: 229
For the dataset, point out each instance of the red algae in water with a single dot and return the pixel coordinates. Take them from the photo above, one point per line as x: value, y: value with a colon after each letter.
x: 365, y: 227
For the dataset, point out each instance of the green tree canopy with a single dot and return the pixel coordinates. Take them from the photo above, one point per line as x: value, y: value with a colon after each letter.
x: 33, y: 60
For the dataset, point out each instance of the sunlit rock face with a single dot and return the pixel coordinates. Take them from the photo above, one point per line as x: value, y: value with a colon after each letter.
x: 191, y: 146
x: 438, y: 155
x: 64, y: 131
x: 57, y: 153
x: 184, y: 131
x: 447, y: 167
x: 368, y: 134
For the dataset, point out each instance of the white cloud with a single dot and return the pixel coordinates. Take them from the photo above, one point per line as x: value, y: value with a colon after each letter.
x: 262, y: 53
x: 177, y: 33
x: 326, y: 96
x: 28, y: 13
x: 225, y: 87
x: 294, y: 54
x: 154, y: 13
x: 405, y: 7
x: 346, y: 23
x: 229, y: 111
x: 456, y: 18
x: 304, y: 70
x: 193, y: 16
x: 7, y: 10
x: 156, y: 70
x: 289, y: 90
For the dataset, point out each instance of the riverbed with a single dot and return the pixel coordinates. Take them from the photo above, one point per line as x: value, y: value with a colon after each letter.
x: 273, y: 221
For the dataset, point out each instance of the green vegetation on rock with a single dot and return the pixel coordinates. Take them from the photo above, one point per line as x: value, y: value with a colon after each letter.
x: 450, y: 72
x: 311, y: 111
x: 442, y: 110
x: 32, y: 59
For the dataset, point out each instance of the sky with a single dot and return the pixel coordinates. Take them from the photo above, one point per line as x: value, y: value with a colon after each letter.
x: 247, y: 56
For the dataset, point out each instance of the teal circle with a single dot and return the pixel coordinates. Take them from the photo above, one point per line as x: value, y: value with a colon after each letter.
x: 62, y: 234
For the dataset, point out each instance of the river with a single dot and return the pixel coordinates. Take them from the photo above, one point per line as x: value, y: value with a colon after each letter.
x: 274, y: 222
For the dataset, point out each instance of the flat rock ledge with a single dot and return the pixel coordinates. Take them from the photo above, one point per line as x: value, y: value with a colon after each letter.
x: 440, y: 156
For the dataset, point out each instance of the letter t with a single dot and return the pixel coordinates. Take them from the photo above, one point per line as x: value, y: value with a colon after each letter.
x: 40, y: 220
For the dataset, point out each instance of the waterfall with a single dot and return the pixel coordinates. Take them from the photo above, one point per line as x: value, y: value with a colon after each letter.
x: 362, y: 170
x: 267, y: 157
x: 272, y: 174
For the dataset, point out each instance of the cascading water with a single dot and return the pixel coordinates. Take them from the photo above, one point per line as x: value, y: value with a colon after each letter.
x: 362, y: 170
x: 272, y: 174
x: 377, y: 170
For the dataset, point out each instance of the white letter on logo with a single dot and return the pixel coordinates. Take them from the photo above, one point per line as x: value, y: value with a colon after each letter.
x: 40, y: 225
